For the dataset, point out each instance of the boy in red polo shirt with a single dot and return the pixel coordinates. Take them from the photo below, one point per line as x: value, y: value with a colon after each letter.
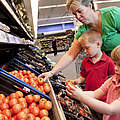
x: 97, y: 67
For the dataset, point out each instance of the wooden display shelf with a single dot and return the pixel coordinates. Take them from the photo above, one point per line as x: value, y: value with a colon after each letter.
x: 56, y: 108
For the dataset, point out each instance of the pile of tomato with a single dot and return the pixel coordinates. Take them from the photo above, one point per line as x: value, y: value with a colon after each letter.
x: 30, y: 107
x: 31, y: 79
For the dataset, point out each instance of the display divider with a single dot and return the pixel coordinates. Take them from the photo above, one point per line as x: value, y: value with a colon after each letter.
x: 26, y: 86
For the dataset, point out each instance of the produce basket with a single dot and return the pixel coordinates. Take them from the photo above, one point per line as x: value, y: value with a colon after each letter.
x: 73, y: 109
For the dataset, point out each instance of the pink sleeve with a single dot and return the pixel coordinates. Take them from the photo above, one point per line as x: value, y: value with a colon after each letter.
x: 105, y: 86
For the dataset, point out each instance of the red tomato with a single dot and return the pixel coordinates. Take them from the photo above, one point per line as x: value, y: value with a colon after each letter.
x: 43, y: 113
x: 7, y: 113
x: 32, y: 74
x: 41, y: 88
x: 69, y: 82
x: 45, y: 118
x: 16, y: 108
x: 45, y: 84
x: 35, y: 111
x: 21, y: 115
x: 34, y: 84
x: 13, y: 118
x: 2, y: 96
x: 33, y: 104
x: 37, y: 118
x: 21, y: 100
x: 48, y: 105
x: 36, y: 98
x: 47, y: 88
x: 6, y: 100
x: 42, y: 103
x: 41, y: 81
x: 1, y: 101
x: 30, y: 116
x: 26, y: 80
x: 19, y: 94
x: 23, y: 105
x: 26, y: 110
x: 28, y: 72
x: 4, y: 106
x: 2, y: 117
x: 29, y: 98
x: 13, y: 95
x: 24, y: 72
x: 12, y: 102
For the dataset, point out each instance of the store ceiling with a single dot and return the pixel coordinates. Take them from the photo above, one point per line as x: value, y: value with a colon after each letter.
x: 54, y: 11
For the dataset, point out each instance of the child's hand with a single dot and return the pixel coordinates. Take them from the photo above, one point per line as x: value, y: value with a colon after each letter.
x: 73, y: 92
x: 69, y: 82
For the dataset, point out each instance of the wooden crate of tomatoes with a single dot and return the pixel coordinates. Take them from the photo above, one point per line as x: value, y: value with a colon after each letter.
x: 18, y: 104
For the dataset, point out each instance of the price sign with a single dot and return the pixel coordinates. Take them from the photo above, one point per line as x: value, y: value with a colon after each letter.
x: 3, y: 37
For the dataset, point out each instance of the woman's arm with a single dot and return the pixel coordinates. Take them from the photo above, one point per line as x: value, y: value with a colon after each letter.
x: 88, y: 98
x: 66, y: 59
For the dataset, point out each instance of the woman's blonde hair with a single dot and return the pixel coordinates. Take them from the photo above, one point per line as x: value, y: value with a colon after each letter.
x: 115, y: 54
x: 83, y: 2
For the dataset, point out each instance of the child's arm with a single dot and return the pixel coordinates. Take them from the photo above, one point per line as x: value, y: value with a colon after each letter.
x: 88, y: 98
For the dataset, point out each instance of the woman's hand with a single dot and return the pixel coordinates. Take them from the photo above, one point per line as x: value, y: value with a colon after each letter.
x: 45, y: 75
x: 74, y: 92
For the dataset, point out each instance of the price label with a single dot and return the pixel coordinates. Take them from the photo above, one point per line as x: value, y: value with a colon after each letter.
x: 3, y: 37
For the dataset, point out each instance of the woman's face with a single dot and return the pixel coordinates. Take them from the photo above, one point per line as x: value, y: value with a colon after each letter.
x: 82, y: 13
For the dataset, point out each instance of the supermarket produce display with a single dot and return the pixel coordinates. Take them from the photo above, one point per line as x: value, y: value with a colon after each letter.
x: 26, y: 73
x: 18, y: 77
x: 18, y: 103
x: 21, y: 62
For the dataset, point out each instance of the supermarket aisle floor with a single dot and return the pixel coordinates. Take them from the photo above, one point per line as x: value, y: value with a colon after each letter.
x: 70, y: 71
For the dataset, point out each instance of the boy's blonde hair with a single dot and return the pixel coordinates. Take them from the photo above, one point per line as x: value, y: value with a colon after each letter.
x: 115, y: 54
x: 91, y: 36
x: 82, y: 2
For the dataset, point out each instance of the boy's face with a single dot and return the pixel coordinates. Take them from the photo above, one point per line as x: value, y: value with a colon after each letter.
x: 91, y: 49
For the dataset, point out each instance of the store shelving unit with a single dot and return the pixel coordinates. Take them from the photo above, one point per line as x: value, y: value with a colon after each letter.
x: 63, y: 42
x: 10, y: 18
x: 61, y: 45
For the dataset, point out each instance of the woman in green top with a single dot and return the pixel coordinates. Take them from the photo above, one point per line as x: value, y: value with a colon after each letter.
x: 105, y: 20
